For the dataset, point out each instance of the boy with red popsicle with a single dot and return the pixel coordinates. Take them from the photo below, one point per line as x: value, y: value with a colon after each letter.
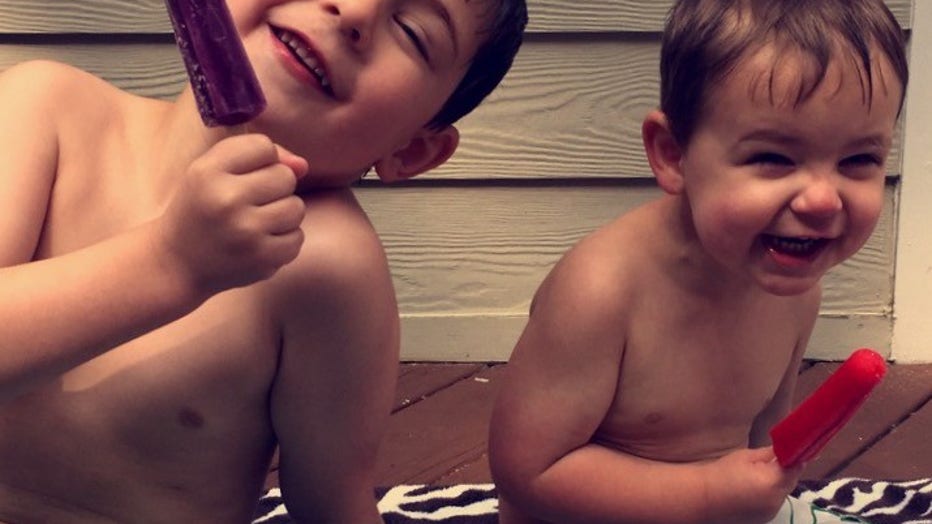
x: 663, y: 347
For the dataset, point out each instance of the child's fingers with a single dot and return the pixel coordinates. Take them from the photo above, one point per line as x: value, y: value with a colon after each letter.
x: 298, y: 164
x: 267, y: 185
x: 241, y: 154
x: 245, y: 153
x: 762, y: 454
x: 282, y: 216
x: 285, y: 247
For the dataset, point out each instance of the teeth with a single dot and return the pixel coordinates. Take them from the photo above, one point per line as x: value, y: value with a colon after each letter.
x: 796, y: 246
x: 302, y: 52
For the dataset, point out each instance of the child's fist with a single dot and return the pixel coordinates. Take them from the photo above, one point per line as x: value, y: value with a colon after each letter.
x: 748, y: 486
x: 234, y: 218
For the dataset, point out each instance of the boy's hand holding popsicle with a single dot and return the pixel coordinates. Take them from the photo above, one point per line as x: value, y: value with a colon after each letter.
x: 235, y: 219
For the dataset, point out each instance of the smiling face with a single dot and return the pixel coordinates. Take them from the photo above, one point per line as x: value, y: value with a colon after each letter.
x: 351, y: 81
x: 782, y: 189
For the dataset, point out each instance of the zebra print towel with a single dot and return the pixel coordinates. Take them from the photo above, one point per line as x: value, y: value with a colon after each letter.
x: 877, y: 502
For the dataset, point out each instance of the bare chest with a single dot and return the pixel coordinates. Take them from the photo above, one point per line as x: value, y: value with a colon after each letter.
x: 690, y: 390
x: 181, y: 410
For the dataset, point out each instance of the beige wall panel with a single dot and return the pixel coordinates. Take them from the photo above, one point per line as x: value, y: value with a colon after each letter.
x: 148, y: 16
x: 467, y: 260
x: 490, y: 338
x: 582, y: 121
x: 628, y: 15
x: 467, y: 257
x: 144, y: 69
x: 567, y: 109
x: 863, y: 284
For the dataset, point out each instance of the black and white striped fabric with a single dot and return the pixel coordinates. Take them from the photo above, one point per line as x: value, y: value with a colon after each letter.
x: 877, y: 502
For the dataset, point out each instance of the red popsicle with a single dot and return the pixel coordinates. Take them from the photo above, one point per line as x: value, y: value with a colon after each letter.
x: 803, y: 433
x: 224, y: 83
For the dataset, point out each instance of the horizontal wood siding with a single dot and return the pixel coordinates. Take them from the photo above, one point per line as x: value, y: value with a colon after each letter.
x: 467, y: 260
x: 550, y: 156
x: 148, y: 16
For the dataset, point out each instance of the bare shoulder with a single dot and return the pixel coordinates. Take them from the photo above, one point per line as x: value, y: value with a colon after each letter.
x: 340, y: 241
x: 597, y: 276
x: 56, y: 86
x: 42, y: 76
x: 69, y: 100
x: 342, y: 260
x: 44, y: 106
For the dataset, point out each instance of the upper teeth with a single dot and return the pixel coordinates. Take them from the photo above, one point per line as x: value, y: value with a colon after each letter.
x: 302, y: 52
x: 795, y: 245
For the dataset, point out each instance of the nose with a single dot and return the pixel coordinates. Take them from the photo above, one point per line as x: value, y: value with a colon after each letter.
x: 354, y: 18
x: 819, y: 199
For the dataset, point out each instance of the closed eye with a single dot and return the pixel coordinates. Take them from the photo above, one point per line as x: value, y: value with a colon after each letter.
x: 770, y: 158
x: 415, y: 38
x: 863, y: 160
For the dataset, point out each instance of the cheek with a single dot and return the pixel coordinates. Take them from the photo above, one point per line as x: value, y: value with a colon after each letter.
x: 864, y: 213
x: 733, y: 216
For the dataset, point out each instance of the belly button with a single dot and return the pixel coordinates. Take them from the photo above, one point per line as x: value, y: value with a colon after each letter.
x: 189, y: 418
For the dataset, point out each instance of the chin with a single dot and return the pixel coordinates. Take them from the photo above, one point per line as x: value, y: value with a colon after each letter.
x: 783, y: 286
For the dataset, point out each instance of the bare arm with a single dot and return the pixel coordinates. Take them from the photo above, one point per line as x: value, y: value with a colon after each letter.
x: 59, y: 312
x: 333, y: 392
x: 559, y: 385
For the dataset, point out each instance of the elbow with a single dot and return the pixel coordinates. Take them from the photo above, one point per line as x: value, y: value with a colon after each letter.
x: 514, y: 480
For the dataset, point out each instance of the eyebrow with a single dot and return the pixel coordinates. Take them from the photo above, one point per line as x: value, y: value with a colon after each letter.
x: 879, y: 141
x: 768, y: 135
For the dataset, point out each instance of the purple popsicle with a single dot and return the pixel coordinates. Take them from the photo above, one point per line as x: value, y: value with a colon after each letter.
x: 224, y: 83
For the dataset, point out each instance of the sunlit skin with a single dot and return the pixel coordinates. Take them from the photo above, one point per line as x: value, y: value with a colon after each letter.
x: 240, y: 316
x: 665, y: 344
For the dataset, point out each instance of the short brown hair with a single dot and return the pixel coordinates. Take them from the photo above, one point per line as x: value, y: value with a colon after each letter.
x: 704, y: 40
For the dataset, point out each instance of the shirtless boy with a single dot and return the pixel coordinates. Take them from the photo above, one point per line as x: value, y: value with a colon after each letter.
x: 663, y: 346
x: 171, y: 310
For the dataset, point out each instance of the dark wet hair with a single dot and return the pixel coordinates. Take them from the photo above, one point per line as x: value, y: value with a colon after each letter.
x: 492, y: 61
x: 704, y: 40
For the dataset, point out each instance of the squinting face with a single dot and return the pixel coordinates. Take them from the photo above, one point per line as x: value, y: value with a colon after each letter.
x: 349, y: 81
x: 782, y: 192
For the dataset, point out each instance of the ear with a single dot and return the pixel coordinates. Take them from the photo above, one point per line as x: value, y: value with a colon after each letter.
x: 664, y: 154
x: 427, y: 150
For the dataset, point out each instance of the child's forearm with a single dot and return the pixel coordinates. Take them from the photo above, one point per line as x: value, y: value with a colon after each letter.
x: 59, y: 312
x: 594, y: 484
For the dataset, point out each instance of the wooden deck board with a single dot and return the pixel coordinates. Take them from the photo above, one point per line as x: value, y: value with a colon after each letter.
x: 903, y: 390
x: 903, y: 454
x: 438, y: 432
x: 419, y: 381
x: 432, y: 438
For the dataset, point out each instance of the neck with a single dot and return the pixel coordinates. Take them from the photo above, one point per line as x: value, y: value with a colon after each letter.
x: 179, y: 137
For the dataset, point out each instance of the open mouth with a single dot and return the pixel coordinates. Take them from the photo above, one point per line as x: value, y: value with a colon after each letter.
x: 304, y: 56
x: 797, y: 247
